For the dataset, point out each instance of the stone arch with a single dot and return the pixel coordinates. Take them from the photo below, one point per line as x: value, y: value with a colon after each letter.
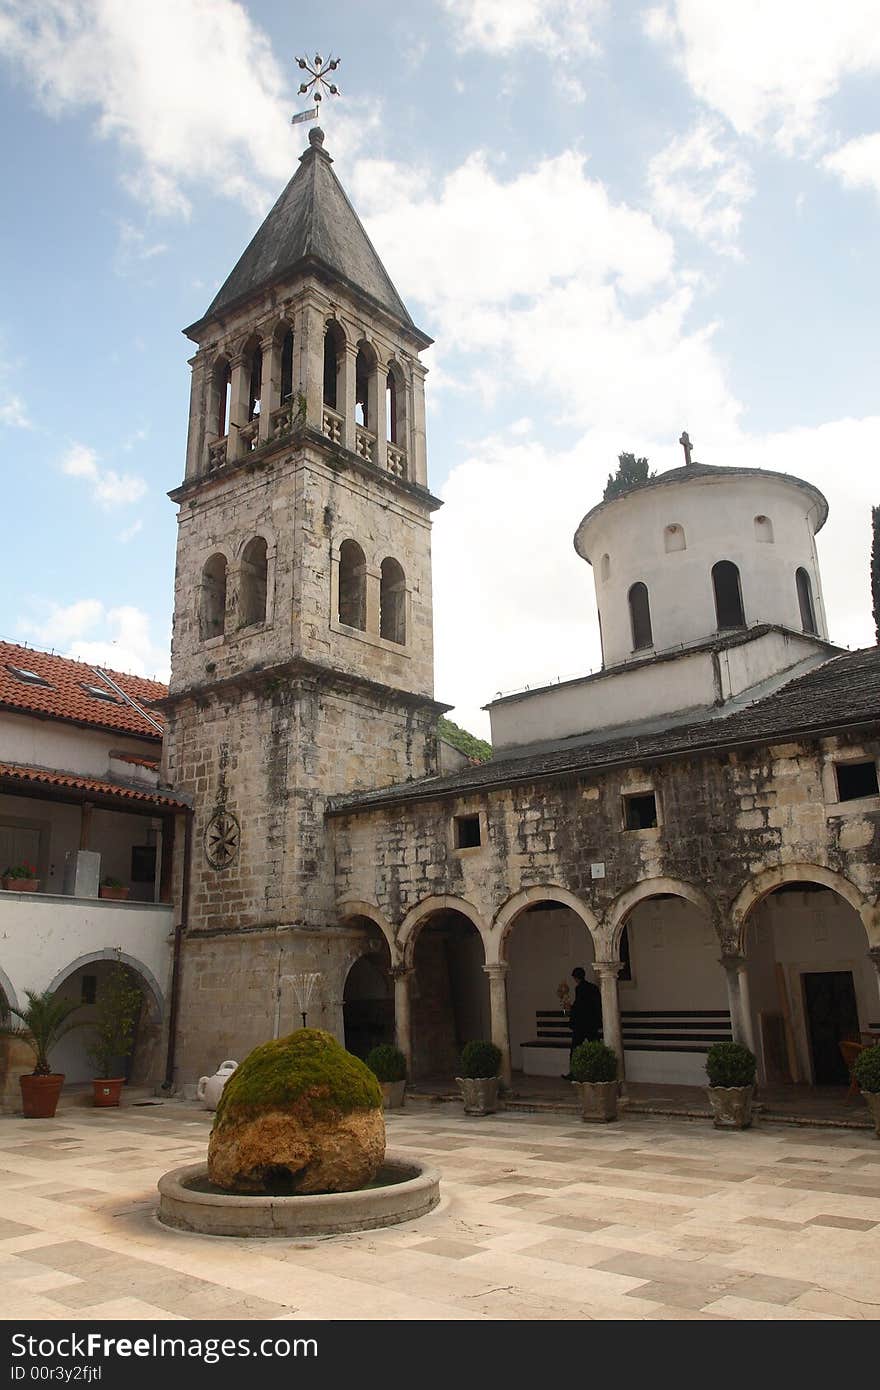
x: 352, y: 593
x: 213, y: 594
x: 334, y: 350
x: 366, y: 371
x: 395, y: 415
x: 253, y: 582
x: 112, y: 954
x: 508, y: 913
x: 7, y: 989
x: 355, y: 907
x: 417, y: 916
x: 625, y: 902
x: 145, y: 1057
x: 771, y: 878
x: 392, y: 601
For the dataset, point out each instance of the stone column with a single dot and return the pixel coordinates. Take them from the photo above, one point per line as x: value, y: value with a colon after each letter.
x: 874, y: 957
x: 373, y: 583
x: 737, y: 978
x: 401, y: 975
x: 498, y: 1014
x: 607, y: 972
x: 379, y: 413
x: 346, y: 392
x: 196, y: 460
x: 417, y: 463
x: 270, y: 387
x: 238, y: 406
x: 313, y: 326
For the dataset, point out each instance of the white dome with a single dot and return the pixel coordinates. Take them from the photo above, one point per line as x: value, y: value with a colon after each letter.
x: 702, y: 550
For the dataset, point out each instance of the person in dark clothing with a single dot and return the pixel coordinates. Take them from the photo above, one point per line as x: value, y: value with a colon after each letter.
x: 585, y: 1014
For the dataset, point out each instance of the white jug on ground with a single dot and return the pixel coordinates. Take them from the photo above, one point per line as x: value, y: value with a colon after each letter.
x: 211, y: 1087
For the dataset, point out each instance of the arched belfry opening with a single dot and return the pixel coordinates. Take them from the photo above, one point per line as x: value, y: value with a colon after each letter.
x: 352, y: 586
x: 254, y: 582
x: 334, y: 347
x: 365, y: 387
x: 395, y: 410
x: 286, y: 379
x: 640, y: 617
x: 222, y: 384
x: 805, y: 600
x: 728, y: 595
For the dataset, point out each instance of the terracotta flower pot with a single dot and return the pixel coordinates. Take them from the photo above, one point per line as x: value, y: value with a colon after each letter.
x: 39, y: 1095
x: 108, y: 1092
x: 21, y: 885
x: 118, y: 895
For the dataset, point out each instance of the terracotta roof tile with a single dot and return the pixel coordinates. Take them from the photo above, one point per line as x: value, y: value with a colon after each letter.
x: 61, y: 692
x: 41, y: 776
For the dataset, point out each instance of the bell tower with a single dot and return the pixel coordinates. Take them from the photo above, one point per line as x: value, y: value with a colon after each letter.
x: 302, y: 651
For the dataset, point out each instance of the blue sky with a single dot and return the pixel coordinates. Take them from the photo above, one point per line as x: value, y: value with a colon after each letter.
x: 617, y: 220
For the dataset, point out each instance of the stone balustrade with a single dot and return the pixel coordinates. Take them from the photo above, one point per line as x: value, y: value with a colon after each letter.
x: 396, y: 460
x: 217, y: 454
x: 331, y: 425
x: 365, y: 444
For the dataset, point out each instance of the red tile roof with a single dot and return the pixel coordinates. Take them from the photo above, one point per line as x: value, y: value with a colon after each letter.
x: 34, y: 777
x: 65, y: 697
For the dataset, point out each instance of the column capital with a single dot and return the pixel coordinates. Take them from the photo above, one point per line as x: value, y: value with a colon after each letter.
x: 611, y: 968
x: 732, y: 960
x: 498, y: 968
x: 401, y: 972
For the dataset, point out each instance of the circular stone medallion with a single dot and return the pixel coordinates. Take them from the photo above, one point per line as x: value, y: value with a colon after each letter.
x: 222, y: 835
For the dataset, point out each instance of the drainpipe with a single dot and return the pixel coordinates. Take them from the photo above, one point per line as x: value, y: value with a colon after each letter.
x: 179, y: 930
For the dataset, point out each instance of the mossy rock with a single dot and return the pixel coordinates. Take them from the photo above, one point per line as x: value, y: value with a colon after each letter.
x: 308, y: 1072
x: 300, y: 1115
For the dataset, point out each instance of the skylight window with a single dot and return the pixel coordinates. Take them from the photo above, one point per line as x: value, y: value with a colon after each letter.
x: 29, y: 677
x: 97, y: 692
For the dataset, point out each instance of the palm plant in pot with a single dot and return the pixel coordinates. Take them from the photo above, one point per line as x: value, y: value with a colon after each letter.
x: 867, y: 1074
x: 479, y: 1080
x: 388, y: 1065
x: 594, y: 1072
x: 41, y: 1025
x: 730, y: 1068
x: 118, y: 1010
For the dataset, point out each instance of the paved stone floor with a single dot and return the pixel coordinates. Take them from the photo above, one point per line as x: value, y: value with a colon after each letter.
x: 542, y: 1217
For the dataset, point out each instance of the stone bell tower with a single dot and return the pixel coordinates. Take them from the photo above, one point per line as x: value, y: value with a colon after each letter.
x: 302, y: 659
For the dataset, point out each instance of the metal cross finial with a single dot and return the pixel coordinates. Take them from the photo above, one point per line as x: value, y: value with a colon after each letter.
x: 318, y: 80
x: 685, y: 443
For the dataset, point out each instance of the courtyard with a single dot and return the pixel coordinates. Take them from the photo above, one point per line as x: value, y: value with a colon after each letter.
x: 541, y: 1218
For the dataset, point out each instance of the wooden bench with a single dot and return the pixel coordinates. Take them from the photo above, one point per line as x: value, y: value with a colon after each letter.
x: 658, y: 1044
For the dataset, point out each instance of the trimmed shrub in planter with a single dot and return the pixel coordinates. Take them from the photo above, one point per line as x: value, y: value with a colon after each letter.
x: 594, y: 1073
x: 867, y: 1073
x: 730, y: 1068
x: 388, y: 1065
x: 478, y: 1083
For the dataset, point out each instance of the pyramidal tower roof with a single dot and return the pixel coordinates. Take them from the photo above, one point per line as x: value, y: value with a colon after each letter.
x: 312, y: 223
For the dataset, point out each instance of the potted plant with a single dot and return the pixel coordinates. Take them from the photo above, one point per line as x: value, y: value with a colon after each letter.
x: 388, y: 1065
x: 730, y: 1068
x: 113, y: 888
x: 594, y: 1073
x: 42, y: 1025
x: 478, y: 1083
x: 867, y: 1073
x: 117, y: 1012
x: 20, y: 878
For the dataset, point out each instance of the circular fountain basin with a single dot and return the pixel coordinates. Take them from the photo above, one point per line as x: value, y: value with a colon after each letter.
x: 403, y: 1190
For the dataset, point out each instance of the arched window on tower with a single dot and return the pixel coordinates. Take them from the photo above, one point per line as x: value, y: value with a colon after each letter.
x: 212, y: 605
x: 394, y: 407
x: 287, y: 366
x: 223, y: 396
x: 805, y: 600
x: 334, y: 344
x: 364, y: 403
x: 352, y: 586
x: 640, y: 617
x: 254, y: 577
x: 728, y: 595
x: 255, y: 388
x: 392, y: 602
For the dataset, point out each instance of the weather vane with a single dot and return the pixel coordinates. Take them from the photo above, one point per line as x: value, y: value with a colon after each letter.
x: 319, y: 82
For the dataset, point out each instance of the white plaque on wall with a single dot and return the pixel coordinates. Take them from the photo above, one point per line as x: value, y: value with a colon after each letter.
x: 597, y: 870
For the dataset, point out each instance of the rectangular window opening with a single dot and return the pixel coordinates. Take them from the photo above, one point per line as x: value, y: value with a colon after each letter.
x: 640, y: 811
x: 855, y: 780
x: 88, y: 989
x: 467, y: 832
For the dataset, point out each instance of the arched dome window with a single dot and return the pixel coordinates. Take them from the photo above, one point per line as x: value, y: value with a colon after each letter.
x: 392, y: 602
x: 640, y: 617
x: 352, y: 586
x: 805, y: 601
x: 212, y: 604
x: 728, y: 595
x: 254, y: 578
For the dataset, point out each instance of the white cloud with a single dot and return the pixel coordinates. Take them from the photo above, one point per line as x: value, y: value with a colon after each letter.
x: 13, y: 414
x: 700, y: 182
x: 500, y: 26
x: 109, y: 488
x: 190, y: 89
x: 857, y: 163
x: 131, y: 531
x: 90, y: 631
x: 135, y: 248
x: 769, y: 68
x: 521, y: 610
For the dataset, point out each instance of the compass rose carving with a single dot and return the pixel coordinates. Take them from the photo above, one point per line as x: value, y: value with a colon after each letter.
x: 222, y: 835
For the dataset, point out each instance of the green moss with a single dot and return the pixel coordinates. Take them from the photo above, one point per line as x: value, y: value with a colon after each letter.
x: 308, y: 1073
x: 475, y: 748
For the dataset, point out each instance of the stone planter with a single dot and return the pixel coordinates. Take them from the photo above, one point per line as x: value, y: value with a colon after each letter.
x: 731, y: 1106
x: 39, y: 1095
x: 118, y: 895
x: 109, y: 1091
x: 392, y: 1094
x: 479, y: 1093
x: 872, y: 1099
x: 598, y: 1100
x: 21, y: 885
